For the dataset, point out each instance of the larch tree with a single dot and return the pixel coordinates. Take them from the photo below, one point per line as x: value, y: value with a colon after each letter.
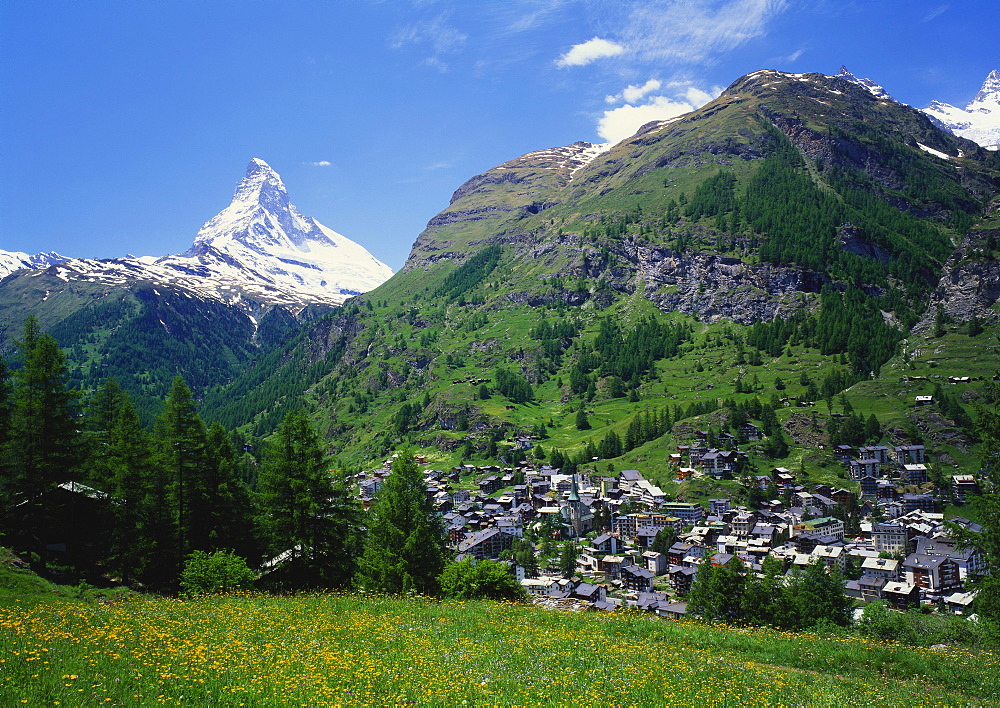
x: 45, y: 449
x: 306, y: 507
x: 405, y: 547
x: 141, y: 532
x: 231, y: 523
x: 184, y: 448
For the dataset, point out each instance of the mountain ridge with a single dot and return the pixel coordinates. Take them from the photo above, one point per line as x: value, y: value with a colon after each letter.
x: 796, y: 204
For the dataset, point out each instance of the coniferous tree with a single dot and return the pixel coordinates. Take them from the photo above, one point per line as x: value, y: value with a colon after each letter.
x: 306, y: 507
x: 100, y: 418
x: 873, y: 430
x: 405, y: 547
x: 6, y: 406
x: 987, y: 506
x: 717, y: 591
x: 231, y: 521
x: 663, y: 540
x: 45, y: 449
x: 142, y: 530
x: 567, y: 559
x: 184, y: 448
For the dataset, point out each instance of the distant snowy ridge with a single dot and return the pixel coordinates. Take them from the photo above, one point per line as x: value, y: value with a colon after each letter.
x: 979, y: 121
x: 872, y: 87
x: 15, y: 260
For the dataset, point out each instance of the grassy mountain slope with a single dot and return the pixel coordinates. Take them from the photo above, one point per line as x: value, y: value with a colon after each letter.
x: 793, y: 200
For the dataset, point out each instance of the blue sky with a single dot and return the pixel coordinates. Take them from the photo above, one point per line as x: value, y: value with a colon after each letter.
x: 126, y: 125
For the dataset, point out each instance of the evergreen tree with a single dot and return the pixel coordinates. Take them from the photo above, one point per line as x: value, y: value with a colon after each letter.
x: 473, y: 579
x: 940, y: 319
x: 816, y: 596
x: 523, y: 552
x: 184, y: 449
x: 717, y: 591
x: 567, y: 559
x: 405, y: 547
x: 582, y: 423
x: 101, y: 416
x: 306, y: 509
x: 873, y: 431
x: 6, y: 410
x: 45, y: 449
x: 231, y: 525
x: 663, y: 540
x: 142, y: 528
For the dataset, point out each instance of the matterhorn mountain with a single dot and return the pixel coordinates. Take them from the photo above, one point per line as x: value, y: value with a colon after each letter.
x: 262, y: 238
x: 15, y: 260
x: 257, y: 253
x: 255, y: 273
x: 979, y: 121
x: 872, y: 87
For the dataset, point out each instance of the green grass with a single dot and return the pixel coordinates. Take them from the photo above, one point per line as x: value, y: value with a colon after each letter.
x: 365, y: 650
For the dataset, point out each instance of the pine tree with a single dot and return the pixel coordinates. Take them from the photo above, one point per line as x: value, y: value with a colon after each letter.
x: 306, y: 507
x: 45, y: 450
x: 102, y: 412
x: 184, y: 449
x: 663, y: 540
x: 231, y: 520
x: 142, y: 529
x: 873, y: 431
x: 567, y: 559
x: 6, y: 411
x: 405, y: 548
x: 717, y: 591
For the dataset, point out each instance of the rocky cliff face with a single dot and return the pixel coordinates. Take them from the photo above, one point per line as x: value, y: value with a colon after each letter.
x: 712, y: 287
x: 970, y: 283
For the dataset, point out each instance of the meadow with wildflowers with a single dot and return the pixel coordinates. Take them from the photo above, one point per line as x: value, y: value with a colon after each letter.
x: 356, y: 649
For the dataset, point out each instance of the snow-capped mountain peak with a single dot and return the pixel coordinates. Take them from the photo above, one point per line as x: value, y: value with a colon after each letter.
x: 875, y: 90
x: 260, y: 200
x: 989, y: 94
x: 261, y: 236
x: 979, y: 121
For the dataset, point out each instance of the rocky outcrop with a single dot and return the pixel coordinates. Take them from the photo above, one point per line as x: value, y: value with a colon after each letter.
x: 970, y: 282
x: 712, y: 287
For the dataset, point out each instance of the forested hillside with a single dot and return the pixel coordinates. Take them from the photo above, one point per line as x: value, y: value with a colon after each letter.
x: 792, y: 231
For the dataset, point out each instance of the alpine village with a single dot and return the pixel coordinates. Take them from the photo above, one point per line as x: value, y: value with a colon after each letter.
x: 710, y: 416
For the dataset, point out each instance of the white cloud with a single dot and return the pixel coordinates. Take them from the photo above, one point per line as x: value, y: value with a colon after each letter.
x: 699, y: 98
x: 694, y: 30
x: 321, y: 163
x: 617, y: 124
x: 621, y: 123
x: 591, y: 50
x: 794, y: 55
x: 631, y: 94
x: 443, y: 37
x: 935, y: 12
x: 435, y: 63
